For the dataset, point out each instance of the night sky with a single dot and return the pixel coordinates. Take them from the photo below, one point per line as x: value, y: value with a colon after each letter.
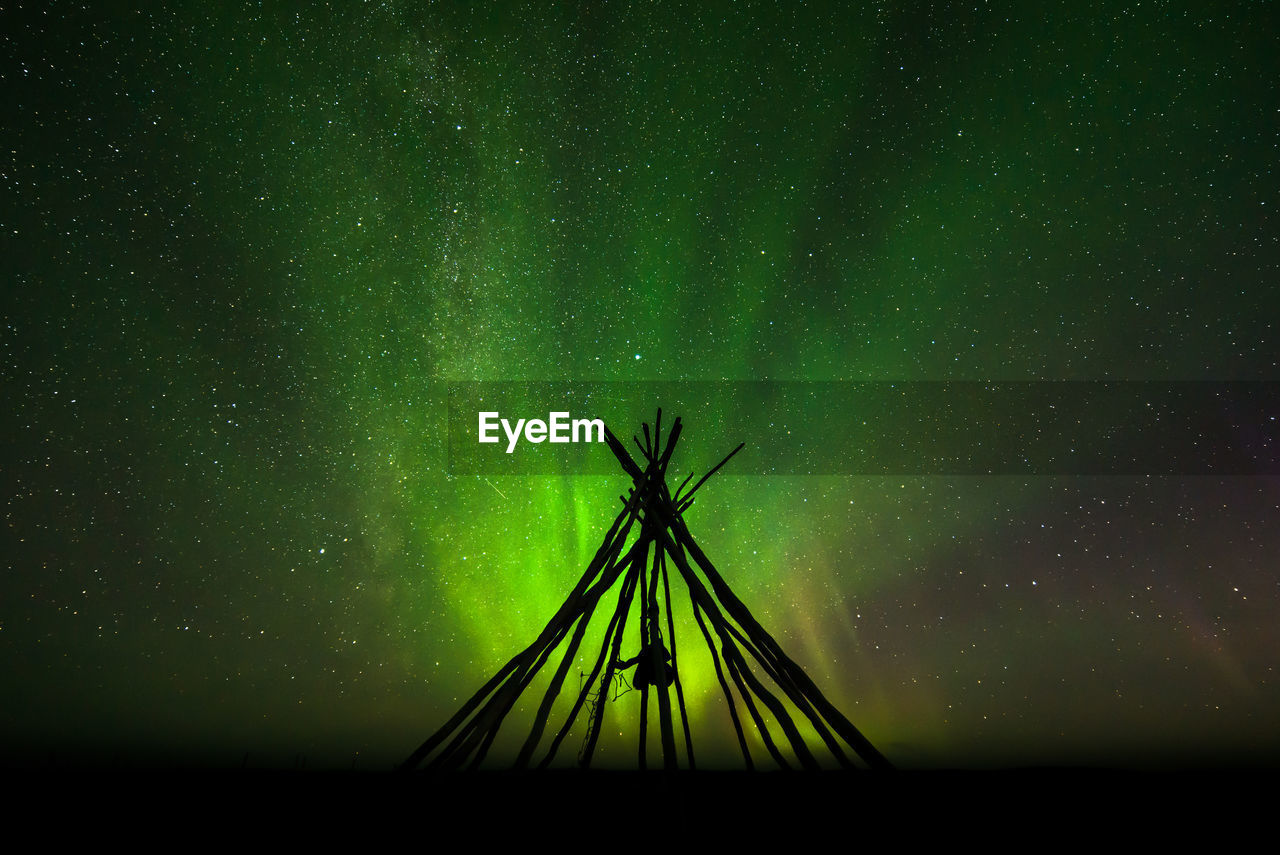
x: 245, y: 246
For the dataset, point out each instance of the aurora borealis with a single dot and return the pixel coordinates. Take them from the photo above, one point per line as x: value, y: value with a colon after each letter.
x: 246, y: 246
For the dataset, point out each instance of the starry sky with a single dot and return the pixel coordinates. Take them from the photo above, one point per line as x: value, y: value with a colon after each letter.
x: 247, y: 245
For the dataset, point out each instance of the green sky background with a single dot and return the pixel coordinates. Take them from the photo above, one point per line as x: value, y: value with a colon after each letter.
x: 247, y: 245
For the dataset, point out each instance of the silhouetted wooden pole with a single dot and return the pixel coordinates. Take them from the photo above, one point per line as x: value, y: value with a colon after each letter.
x: 768, y: 662
x: 619, y: 617
x: 793, y: 693
x: 688, y: 498
x: 644, y: 650
x: 738, y: 666
x: 607, y: 581
x: 742, y: 615
x: 597, y: 714
x: 479, y: 733
x: 728, y: 693
x: 613, y: 541
x: 658, y: 668
x: 675, y: 662
x: 761, y: 727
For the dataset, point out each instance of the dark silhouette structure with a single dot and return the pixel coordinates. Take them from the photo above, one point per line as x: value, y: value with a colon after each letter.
x: 731, y: 634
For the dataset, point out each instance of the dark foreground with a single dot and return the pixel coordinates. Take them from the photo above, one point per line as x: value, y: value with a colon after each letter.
x: 245, y: 804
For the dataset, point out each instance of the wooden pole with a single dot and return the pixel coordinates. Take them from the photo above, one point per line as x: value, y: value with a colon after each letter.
x: 597, y: 714
x: 481, y: 730
x: 619, y: 616
x: 675, y: 662
x: 750, y: 704
x: 658, y: 669
x: 613, y: 540
x: 553, y: 690
x: 793, y: 693
x: 739, y: 667
x: 728, y: 694
x: 644, y: 646
x: 689, y: 496
x: 850, y: 734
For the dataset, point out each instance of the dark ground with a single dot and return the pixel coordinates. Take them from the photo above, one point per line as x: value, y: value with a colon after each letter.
x: 612, y: 809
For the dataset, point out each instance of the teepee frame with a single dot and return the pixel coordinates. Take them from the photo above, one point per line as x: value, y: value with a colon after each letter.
x: 465, y: 739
